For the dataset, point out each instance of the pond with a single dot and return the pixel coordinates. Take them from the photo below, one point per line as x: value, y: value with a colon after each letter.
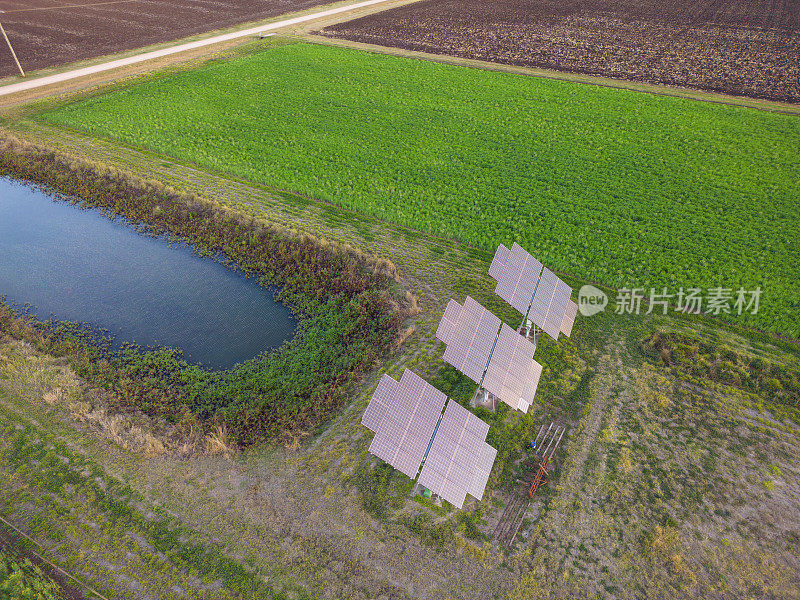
x: 78, y: 265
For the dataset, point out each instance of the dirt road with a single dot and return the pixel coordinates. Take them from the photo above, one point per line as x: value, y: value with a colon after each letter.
x: 149, y: 56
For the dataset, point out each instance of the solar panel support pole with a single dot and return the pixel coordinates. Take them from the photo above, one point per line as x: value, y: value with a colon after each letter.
x: 527, y: 312
x: 486, y: 368
x: 10, y: 47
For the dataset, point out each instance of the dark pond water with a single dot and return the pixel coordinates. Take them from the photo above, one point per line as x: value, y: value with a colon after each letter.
x: 77, y: 265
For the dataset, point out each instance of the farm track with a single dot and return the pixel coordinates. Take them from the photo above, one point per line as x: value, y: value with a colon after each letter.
x: 114, y: 65
x: 46, y: 38
x: 739, y: 47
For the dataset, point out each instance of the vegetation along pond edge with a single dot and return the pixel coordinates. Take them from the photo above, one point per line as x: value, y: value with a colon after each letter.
x: 351, y: 308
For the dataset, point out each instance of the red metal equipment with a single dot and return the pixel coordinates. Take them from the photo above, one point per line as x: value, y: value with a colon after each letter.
x: 540, y: 478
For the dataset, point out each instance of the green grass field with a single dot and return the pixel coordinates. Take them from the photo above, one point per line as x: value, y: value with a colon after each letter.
x: 630, y: 189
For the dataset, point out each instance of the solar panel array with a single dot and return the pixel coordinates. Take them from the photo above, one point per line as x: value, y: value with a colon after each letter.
x: 513, y: 375
x: 404, y: 416
x: 538, y: 293
x: 569, y: 318
x: 404, y: 419
x: 550, y: 303
x: 517, y: 277
x: 459, y: 460
x: 469, y: 332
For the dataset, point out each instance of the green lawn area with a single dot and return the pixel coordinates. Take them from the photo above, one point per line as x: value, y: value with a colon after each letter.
x: 626, y: 188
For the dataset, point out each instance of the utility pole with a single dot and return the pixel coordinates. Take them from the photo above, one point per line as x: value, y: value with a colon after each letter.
x: 10, y: 47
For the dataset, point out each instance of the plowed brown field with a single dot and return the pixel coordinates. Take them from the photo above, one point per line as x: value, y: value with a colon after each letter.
x: 742, y: 47
x: 48, y: 33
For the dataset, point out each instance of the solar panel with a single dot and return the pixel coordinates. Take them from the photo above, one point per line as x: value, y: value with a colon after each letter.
x: 376, y: 408
x: 413, y: 407
x: 518, y: 278
x: 513, y: 375
x: 550, y: 303
x: 499, y: 262
x: 448, y: 322
x: 470, y: 341
x: 569, y: 318
x: 518, y: 275
x: 483, y: 468
x: 458, y: 457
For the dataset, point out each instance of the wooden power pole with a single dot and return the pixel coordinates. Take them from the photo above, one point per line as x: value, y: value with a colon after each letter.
x: 10, y: 47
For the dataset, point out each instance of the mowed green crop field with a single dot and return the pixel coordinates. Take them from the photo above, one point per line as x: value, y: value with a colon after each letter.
x: 626, y: 188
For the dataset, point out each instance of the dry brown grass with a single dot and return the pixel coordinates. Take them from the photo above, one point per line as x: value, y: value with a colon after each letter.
x: 401, y: 339
x: 293, y: 439
x: 218, y: 443
x: 54, y: 396
x: 42, y: 378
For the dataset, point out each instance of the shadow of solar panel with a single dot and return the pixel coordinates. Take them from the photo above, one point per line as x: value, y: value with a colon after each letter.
x: 378, y: 403
x: 569, y: 318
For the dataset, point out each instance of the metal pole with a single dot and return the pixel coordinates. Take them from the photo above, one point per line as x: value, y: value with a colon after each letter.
x: 544, y: 439
x: 538, y: 435
x: 552, y: 439
x: 10, y: 47
x: 558, y: 442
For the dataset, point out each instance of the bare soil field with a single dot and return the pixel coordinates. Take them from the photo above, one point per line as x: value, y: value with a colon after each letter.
x: 48, y: 33
x: 741, y: 47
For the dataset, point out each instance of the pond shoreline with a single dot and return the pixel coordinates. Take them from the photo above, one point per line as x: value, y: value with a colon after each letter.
x: 354, y: 297
x: 81, y: 264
